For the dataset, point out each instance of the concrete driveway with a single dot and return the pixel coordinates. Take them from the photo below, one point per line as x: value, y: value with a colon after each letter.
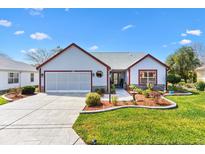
x: 41, y: 119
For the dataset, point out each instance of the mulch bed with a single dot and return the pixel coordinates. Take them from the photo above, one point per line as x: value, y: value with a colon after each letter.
x: 141, y: 100
x: 15, y: 96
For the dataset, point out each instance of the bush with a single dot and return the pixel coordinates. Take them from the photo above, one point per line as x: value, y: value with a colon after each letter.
x: 112, y: 90
x: 154, y: 94
x: 100, y: 91
x: 28, y: 90
x: 16, y: 91
x: 138, y: 90
x: 93, y: 99
x: 146, y: 93
x: 150, y: 86
x: 173, y: 78
x: 132, y: 87
x: 114, y: 100
x: 200, y: 86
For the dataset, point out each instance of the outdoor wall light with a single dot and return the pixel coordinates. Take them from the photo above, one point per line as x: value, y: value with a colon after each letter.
x: 99, y: 74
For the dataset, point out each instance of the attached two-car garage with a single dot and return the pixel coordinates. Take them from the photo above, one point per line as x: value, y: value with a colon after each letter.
x: 68, y: 81
x: 72, y: 70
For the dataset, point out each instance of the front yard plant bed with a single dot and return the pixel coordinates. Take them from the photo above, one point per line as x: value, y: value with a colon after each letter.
x: 14, y: 96
x: 183, y: 125
x: 149, y: 103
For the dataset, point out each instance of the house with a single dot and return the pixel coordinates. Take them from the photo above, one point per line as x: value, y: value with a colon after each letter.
x: 75, y: 70
x: 201, y: 73
x: 15, y: 74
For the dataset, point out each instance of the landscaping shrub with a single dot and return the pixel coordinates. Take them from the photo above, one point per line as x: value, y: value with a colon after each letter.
x: 93, y: 99
x: 154, y: 94
x: 16, y: 91
x: 100, y: 91
x: 173, y: 78
x: 114, y: 100
x: 146, y: 93
x: 132, y: 87
x: 200, y: 86
x: 112, y: 90
x: 28, y: 90
x: 150, y: 86
x: 138, y: 90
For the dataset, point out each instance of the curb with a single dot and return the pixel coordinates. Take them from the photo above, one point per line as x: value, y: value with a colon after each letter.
x: 179, y: 94
x: 173, y: 105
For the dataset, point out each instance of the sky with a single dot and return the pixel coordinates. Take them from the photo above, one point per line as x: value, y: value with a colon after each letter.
x: 159, y: 32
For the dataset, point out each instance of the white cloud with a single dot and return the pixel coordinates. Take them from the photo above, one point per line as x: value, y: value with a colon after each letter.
x: 164, y: 46
x: 19, y: 32
x: 67, y: 9
x: 127, y: 27
x: 173, y: 43
x: 32, y: 50
x: 5, y: 23
x: 196, y: 32
x: 36, y: 12
x: 94, y: 47
x: 185, y: 41
x: 39, y: 36
x: 183, y: 34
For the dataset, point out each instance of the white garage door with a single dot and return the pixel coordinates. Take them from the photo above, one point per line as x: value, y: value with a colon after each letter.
x: 68, y: 81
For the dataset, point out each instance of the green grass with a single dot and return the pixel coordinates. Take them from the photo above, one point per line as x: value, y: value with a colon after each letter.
x: 2, y: 101
x: 183, y: 125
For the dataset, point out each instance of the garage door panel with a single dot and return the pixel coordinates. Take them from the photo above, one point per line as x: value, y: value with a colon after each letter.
x: 68, y: 81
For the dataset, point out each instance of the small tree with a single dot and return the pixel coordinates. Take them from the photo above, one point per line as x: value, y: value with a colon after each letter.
x: 173, y: 79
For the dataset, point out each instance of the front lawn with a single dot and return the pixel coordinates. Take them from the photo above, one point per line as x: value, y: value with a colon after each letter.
x: 183, y: 125
x: 2, y: 101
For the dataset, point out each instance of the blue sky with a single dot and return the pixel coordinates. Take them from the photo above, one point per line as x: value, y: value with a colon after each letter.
x: 155, y: 31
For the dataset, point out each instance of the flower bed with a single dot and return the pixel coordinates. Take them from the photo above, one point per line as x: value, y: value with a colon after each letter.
x: 14, y: 96
x: 140, y: 101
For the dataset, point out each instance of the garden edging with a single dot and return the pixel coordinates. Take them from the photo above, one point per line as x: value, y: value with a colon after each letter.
x: 173, y: 105
x: 6, y: 98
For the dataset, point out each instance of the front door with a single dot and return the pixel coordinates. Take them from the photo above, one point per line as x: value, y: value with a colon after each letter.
x: 118, y: 79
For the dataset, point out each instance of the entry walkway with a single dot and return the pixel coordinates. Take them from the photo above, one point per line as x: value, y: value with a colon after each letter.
x: 122, y: 95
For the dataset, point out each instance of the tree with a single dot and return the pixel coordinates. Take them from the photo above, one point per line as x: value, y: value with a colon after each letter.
x: 199, y: 48
x: 173, y: 78
x: 183, y: 62
x: 38, y: 56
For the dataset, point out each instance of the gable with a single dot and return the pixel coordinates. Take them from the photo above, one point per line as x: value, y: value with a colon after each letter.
x: 152, y: 59
x: 70, y: 48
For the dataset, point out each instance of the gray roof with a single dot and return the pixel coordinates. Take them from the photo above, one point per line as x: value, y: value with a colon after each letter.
x: 119, y: 60
x: 9, y: 64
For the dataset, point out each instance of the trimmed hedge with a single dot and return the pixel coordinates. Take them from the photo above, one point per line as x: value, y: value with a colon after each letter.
x: 93, y: 99
x: 28, y: 90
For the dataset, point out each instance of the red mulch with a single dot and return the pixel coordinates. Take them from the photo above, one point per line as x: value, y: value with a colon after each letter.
x: 141, y: 100
x: 14, y: 96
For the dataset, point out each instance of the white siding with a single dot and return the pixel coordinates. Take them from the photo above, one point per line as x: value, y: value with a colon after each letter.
x: 24, y: 80
x: 201, y: 75
x: 75, y: 59
x: 148, y: 63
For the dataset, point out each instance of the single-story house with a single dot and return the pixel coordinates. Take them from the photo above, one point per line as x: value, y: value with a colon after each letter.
x: 75, y: 70
x: 14, y: 74
x: 200, y: 71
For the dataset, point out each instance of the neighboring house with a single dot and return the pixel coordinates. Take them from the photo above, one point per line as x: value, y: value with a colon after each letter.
x: 200, y: 73
x: 15, y: 74
x: 75, y: 70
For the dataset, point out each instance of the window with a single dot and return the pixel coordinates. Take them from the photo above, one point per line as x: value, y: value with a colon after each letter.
x: 148, y: 76
x: 32, y: 77
x: 99, y: 74
x: 13, y: 78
